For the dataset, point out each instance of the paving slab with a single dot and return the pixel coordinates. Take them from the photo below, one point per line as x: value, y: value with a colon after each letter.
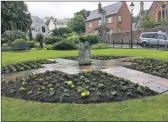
x: 155, y: 83
x: 112, y: 66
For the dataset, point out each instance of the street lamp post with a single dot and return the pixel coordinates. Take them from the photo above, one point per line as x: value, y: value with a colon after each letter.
x: 131, y: 8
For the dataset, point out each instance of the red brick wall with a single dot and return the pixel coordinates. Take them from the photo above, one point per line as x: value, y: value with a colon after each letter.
x: 125, y: 25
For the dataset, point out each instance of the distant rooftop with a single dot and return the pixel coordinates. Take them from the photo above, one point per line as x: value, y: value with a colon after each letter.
x: 110, y: 10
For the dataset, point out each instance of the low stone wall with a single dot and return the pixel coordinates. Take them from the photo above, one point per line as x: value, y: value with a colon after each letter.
x: 125, y: 37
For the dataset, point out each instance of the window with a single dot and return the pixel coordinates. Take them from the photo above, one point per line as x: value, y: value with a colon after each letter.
x: 99, y: 22
x: 43, y: 29
x: 161, y: 36
x: 110, y: 20
x: 148, y: 35
x: 119, y: 18
x: 90, y: 24
x: 32, y: 28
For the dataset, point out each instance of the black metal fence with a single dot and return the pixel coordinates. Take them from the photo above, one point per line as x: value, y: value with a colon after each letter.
x: 121, y: 43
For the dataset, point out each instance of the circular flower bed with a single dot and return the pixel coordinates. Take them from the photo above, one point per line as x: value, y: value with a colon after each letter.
x: 86, y: 87
x: 151, y: 66
x: 96, y: 57
x: 28, y: 65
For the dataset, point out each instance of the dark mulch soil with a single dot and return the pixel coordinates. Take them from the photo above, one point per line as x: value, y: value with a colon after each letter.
x: 91, y: 87
x: 96, y: 57
x: 151, y: 66
x: 22, y: 66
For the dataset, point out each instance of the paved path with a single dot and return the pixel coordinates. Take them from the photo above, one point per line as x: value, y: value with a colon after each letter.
x: 153, y: 82
x: 113, y: 66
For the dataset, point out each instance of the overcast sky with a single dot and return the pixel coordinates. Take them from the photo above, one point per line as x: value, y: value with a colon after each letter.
x: 67, y: 9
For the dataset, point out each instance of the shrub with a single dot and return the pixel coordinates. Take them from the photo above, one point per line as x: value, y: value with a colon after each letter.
x: 19, y: 43
x: 99, y: 46
x: 31, y: 44
x: 10, y: 36
x: 73, y: 38
x: 52, y: 40
x: 64, y: 45
x: 92, y: 38
x: 61, y: 31
x: 49, y: 46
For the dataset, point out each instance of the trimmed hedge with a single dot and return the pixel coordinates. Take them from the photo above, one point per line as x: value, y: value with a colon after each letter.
x: 92, y: 38
x: 19, y: 43
x: 64, y: 45
x: 99, y: 46
x: 31, y: 44
x: 52, y: 40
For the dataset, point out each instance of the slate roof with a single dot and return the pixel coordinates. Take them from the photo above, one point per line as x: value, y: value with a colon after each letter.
x: 36, y: 19
x: 110, y: 10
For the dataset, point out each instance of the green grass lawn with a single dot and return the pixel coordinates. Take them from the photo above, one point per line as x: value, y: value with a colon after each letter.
x: 148, y: 108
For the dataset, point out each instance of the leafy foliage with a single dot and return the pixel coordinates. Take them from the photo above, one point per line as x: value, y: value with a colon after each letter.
x: 18, y: 43
x: 64, y: 45
x: 17, y: 67
x: 31, y: 44
x: 91, y: 38
x: 73, y: 38
x: 85, y: 87
x: 52, y: 40
x: 84, y: 13
x: 99, y: 46
x: 10, y: 36
x: 77, y: 24
x: 39, y: 38
x: 61, y: 31
x: 147, y: 22
x: 149, y: 65
x: 15, y: 16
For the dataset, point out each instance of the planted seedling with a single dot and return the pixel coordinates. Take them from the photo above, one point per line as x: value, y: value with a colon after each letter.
x: 52, y: 92
x: 22, y: 89
x: 100, y: 85
x: 39, y: 92
x: 85, y: 93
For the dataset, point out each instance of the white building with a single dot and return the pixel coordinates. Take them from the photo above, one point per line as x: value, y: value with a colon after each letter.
x: 38, y: 26
x: 57, y: 23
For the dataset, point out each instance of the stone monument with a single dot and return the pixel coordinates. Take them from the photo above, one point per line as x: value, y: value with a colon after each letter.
x: 84, y: 54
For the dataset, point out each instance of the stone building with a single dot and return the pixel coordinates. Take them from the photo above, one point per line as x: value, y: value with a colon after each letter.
x: 157, y: 11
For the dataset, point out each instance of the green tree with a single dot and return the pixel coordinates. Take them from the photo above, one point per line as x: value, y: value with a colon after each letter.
x: 83, y: 12
x: 61, y: 31
x: 147, y: 22
x: 15, y: 16
x: 77, y: 24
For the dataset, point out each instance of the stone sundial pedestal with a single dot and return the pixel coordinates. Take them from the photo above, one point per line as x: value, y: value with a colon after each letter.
x: 84, y: 54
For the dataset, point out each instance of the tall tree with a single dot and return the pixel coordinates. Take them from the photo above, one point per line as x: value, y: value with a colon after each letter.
x: 85, y: 13
x: 15, y: 16
x: 77, y: 24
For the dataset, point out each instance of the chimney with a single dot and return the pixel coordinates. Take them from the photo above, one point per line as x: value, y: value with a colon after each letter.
x: 99, y: 7
x: 141, y: 7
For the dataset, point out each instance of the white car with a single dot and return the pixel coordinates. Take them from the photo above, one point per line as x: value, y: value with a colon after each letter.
x: 153, y: 38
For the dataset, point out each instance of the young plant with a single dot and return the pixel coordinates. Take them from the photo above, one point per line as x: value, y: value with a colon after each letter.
x: 85, y: 93
x: 22, y: 89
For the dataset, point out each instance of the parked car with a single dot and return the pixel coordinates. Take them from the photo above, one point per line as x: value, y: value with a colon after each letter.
x: 153, y: 39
